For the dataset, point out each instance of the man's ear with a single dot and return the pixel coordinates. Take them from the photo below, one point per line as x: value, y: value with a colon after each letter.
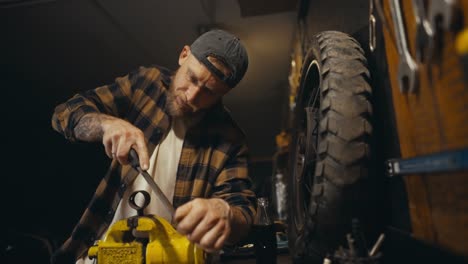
x: 184, y: 54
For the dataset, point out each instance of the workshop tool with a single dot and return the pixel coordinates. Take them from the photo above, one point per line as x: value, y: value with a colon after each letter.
x: 441, y: 13
x: 461, y: 43
x: 440, y: 16
x: 357, y: 251
x: 407, y: 67
x: 424, y: 30
x: 145, y: 239
x: 372, y: 22
x: 461, y: 47
x: 135, y: 162
x: 456, y: 160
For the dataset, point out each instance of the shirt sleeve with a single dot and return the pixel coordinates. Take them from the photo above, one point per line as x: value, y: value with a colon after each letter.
x: 235, y: 186
x: 113, y: 99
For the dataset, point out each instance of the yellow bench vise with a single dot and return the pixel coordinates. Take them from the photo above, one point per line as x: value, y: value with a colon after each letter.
x: 144, y: 240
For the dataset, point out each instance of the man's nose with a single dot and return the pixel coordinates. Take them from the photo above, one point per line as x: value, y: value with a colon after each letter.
x: 192, y: 93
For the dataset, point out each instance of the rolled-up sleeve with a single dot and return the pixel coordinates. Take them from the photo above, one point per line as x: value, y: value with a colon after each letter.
x: 114, y: 99
x: 234, y: 185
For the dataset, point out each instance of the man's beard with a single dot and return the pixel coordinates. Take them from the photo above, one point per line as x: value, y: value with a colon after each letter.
x: 173, y: 108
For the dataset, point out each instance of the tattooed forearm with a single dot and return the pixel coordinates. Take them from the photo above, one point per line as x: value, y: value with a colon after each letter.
x: 89, y: 128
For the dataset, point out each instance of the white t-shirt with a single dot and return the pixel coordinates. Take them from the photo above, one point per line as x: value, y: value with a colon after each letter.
x: 163, y: 167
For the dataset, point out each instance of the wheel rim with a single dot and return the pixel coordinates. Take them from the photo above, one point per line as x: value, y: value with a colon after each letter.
x: 306, y: 144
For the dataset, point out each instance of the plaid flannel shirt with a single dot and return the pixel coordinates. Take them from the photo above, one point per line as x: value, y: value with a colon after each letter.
x: 213, y: 161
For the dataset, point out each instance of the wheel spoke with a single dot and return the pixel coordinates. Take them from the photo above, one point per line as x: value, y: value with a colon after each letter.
x: 308, y: 188
x: 313, y: 97
x: 300, y: 162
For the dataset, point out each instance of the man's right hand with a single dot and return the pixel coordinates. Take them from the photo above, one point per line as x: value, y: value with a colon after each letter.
x: 119, y: 136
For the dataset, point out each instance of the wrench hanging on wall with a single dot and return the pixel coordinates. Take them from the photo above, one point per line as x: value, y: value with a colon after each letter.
x: 440, y: 16
x: 424, y: 32
x: 407, y: 66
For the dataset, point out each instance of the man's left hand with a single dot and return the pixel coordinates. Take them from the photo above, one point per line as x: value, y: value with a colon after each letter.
x: 205, y: 222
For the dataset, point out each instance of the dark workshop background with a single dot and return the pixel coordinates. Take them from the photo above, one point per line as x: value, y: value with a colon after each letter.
x: 52, y: 49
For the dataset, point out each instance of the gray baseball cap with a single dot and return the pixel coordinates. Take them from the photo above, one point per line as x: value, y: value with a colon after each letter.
x: 225, y: 47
